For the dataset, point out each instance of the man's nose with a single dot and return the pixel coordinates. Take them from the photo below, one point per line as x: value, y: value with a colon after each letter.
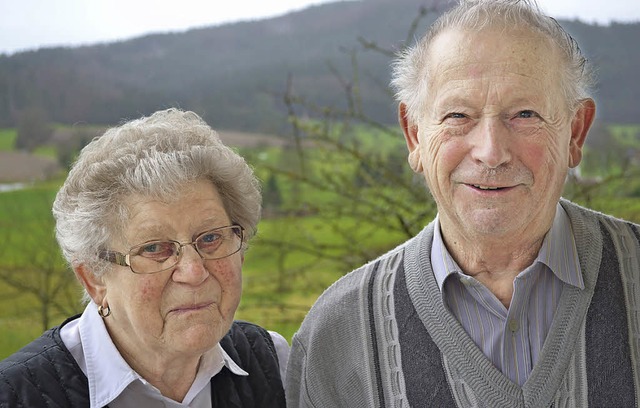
x: 490, y: 143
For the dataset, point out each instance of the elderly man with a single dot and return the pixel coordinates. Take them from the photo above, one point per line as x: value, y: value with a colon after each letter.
x: 512, y: 296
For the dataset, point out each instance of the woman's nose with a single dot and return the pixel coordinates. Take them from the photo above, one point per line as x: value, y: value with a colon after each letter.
x: 190, y: 267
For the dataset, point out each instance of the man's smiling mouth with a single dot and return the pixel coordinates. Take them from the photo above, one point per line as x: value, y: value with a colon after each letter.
x: 486, y: 187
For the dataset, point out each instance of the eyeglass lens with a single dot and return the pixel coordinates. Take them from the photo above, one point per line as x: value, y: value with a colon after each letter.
x: 156, y: 256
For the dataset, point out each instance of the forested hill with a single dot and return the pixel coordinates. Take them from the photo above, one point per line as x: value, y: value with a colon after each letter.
x: 235, y: 74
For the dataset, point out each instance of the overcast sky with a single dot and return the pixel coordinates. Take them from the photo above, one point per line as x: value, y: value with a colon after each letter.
x: 31, y: 24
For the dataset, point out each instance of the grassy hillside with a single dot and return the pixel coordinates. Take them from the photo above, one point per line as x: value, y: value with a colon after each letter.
x: 235, y: 75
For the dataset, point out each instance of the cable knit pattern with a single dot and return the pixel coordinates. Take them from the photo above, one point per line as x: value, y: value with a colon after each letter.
x: 389, y: 314
x: 390, y: 367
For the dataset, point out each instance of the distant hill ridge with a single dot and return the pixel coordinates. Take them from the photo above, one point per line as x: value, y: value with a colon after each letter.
x: 235, y: 74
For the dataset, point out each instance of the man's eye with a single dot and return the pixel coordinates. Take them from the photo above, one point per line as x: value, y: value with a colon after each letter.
x: 455, y: 115
x: 526, y: 114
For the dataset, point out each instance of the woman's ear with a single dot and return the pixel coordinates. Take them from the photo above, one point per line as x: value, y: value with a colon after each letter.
x: 94, y: 285
x: 410, y: 131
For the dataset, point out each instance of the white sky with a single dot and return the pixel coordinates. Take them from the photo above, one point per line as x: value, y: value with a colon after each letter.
x: 30, y: 24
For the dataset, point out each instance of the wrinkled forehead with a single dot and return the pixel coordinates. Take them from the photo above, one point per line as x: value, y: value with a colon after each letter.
x: 195, y: 205
x: 519, y: 57
x: 466, y: 52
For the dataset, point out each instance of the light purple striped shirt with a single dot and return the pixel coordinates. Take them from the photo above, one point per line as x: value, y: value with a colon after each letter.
x: 512, y: 339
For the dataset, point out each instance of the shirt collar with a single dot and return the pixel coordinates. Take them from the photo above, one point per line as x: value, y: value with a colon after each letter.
x: 442, y: 263
x: 109, y: 374
x: 558, y: 252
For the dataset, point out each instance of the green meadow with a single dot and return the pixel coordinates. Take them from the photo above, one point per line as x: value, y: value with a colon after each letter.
x: 7, y: 139
x: 279, y: 284
x: 344, y: 211
x: 293, y: 258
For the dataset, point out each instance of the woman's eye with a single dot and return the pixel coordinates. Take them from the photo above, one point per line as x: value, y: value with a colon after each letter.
x: 208, y: 238
x: 151, y: 248
x: 156, y: 250
x: 209, y: 242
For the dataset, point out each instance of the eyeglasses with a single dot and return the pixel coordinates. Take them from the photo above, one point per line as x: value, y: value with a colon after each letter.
x: 157, y: 256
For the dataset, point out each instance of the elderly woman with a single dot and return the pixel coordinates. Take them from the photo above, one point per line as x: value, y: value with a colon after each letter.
x: 154, y: 218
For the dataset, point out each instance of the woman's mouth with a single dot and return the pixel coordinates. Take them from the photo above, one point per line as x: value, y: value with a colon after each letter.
x: 192, y: 308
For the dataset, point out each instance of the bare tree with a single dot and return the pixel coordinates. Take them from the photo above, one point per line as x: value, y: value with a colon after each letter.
x: 33, y: 129
x: 352, y: 195
x: 33, y: 269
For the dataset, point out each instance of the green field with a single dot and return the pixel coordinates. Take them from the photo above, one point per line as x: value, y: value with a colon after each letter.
x: 339, y: 214
x: 278, y: 287
x: 281, y: 277
x: 7, y: 139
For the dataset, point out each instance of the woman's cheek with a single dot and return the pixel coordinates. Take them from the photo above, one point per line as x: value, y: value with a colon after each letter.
x: 147, y: 290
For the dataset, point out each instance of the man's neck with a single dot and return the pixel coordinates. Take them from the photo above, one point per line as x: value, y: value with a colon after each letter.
x: 494, y: 262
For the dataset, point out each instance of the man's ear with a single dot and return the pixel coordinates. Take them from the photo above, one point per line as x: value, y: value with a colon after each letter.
x: 580, y: 125
x: 94, y: 285
x: 410, y: 131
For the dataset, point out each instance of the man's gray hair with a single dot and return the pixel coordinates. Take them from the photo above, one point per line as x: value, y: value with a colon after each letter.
x: 154, y: 157
x: 410, y: 76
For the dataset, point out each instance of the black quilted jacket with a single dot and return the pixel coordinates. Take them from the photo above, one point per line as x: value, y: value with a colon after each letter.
x: 45, y: 374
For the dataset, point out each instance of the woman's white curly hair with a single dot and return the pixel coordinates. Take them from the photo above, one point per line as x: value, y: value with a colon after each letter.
x: 152, y: 156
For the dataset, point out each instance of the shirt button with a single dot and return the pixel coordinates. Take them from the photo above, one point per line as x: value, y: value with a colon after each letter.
x: 513, y: 325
